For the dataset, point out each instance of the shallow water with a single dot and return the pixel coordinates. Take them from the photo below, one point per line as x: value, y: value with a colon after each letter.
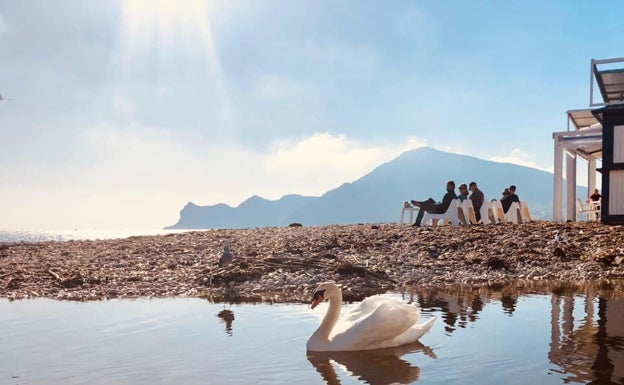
x: 489, y: 337
x: 15, y: 236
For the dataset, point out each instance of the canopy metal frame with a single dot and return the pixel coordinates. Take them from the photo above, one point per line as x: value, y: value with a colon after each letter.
x: 585, y: 144
x: 610, y: 81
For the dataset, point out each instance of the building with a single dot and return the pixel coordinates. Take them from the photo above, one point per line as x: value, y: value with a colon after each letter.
x: 594, y: 135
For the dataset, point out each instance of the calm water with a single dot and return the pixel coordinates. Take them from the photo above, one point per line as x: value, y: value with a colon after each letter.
x: 78, y: 234
x: 487, y: 337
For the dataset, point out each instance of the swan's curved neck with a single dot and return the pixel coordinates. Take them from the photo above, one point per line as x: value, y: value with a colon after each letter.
x: 326, y: 326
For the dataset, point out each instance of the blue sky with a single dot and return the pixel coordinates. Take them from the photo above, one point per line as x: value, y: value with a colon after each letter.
x: 123, y: 111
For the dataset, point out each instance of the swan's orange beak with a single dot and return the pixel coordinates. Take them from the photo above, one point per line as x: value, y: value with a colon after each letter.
x: 317, y: 298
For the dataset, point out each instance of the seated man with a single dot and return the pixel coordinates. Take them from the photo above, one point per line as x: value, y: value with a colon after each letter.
x: 477, y: 198
x: 509, y: 199
x: 431, y: 206
x: 595, y: 197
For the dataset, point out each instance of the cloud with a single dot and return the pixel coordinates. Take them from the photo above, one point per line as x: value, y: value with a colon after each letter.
x: 516, y: 156
x: 328, y: 160
x: 355, y: 60
x: 277, y: 87
x: 140, y: 176
x: 520, y: 157
x: 4, y: 26
x: 122, y: 105
x: 137, y: 176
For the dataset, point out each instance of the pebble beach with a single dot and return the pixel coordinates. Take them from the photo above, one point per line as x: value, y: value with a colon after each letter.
x: 285, y: 264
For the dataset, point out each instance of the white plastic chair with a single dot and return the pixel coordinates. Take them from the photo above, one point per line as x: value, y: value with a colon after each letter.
x: 595, y: 205
x: 525, y: 213
x: 496, y: 210
x: 590, y: 213
x: 512, y: 215
x: 488, y: 214
x: 407, y: 208
x: 468, y: 211
x: 451, y: 214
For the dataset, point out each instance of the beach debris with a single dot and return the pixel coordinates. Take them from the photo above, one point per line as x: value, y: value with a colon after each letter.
x: 282, y: 264
x: 496, y: 263
x: 8, y: 274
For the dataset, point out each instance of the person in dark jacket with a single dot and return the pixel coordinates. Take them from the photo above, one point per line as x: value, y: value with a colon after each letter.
x: 431, y: 206
x: 509, y: 199
x: 477, y: 198
x: 595, y: 196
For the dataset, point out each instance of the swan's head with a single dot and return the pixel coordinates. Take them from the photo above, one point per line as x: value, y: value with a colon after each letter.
x: 325, y: 290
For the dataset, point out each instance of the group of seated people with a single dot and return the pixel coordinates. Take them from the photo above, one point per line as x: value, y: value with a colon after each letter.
x: 475, y: 195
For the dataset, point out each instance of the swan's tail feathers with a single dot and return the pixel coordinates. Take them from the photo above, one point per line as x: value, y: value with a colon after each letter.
x: 427, y: 325
x: 415, y: 332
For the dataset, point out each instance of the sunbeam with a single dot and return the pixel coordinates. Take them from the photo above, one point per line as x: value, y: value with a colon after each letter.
x: 166, y: 54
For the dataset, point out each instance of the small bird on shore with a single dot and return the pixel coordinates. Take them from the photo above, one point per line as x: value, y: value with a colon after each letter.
x: 225, y: 257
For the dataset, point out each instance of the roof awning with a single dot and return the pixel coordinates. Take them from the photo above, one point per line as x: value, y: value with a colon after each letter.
x: 611, y: 83
x: 582, y: 119
x: 586, y: 143
x: 610, y: 80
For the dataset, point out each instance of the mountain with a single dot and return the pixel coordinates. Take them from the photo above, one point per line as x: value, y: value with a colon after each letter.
x: 254, y: 212
x: 379, y: 195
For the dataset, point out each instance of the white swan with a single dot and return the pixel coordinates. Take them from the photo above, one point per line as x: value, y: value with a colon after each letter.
x: 377, y: 322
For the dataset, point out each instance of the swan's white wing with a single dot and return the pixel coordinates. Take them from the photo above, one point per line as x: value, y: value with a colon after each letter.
x: 363, y: 308
x: 376, y: 327
x: 357, y: 313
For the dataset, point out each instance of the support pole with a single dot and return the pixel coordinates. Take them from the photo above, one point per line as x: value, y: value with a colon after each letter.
x: 591, y: 176
x: 570, y: 186
x: 557, y: 178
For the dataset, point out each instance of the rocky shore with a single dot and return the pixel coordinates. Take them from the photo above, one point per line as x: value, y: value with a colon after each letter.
x: 285, y: 264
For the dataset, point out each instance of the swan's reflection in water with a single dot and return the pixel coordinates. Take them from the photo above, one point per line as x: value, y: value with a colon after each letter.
x: 375, y: 367
x: 227, y: 316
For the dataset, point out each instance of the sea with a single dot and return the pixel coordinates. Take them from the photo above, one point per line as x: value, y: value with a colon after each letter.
x: 12, y: 236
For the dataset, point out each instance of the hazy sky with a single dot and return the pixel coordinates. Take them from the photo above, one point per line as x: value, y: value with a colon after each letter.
x: 123, y: 111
